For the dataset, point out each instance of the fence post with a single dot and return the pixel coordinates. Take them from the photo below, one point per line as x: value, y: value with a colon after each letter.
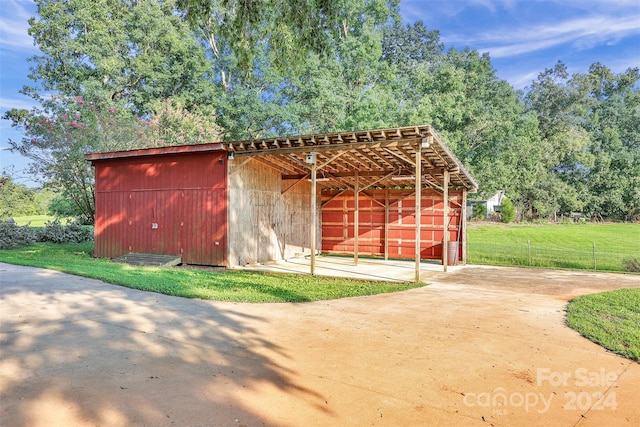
x: 594, y: 256
x: 529, y: 251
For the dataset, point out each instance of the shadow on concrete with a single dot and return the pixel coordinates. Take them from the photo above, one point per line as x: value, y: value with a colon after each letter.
x: 76, y: 351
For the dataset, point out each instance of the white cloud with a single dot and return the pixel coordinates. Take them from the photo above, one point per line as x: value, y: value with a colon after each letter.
x: 20, y: 103
x: 492, y: 6
x: 434, y: 10
x: 429, y: 11
x: 487, y: 4
x: 581, y: 33
x: 14, y: 25
x: 507, y: 28
x: 521, y: 80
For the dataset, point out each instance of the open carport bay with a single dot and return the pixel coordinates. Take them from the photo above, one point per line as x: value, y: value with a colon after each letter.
x: 478, y: 346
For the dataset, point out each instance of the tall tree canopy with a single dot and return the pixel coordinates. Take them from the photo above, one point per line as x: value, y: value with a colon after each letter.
x: 291, y: 28
x: 590, y: 128
x: 116, y: 74
x: 117, y: 51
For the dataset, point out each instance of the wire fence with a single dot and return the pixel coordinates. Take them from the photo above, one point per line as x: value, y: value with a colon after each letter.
x: 599, y: 257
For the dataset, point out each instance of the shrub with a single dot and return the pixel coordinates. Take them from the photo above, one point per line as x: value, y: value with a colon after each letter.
x: 631, y: 264
x: 61, y: 206
x: 72, y: 232
x: 479, y: 212
x: 508, y: 210
x: 12, y: 235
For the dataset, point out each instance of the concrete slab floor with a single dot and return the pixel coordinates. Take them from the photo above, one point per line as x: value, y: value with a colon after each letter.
x: 476, y: 347
x: 367, y: 268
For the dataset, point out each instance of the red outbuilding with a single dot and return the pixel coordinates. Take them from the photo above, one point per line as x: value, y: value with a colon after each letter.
x: 245, y: 202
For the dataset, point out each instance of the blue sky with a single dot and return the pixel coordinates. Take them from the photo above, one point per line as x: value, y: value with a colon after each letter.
x: 523, y: 37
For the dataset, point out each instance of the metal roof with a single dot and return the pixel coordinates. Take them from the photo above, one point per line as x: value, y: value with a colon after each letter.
x: 155, y: 151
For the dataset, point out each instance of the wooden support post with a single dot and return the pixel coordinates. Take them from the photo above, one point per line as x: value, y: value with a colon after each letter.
x: 463, y: 224
x: 314, y: 218
x: 418, y: 206
x: 445, y: 214
x: 356, y: 220
x: 386, y: 225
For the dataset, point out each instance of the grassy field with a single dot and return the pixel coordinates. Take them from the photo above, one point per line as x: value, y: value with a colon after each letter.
x: 611, y: 319
x: 609, y: 247
x: 35, y: 220
x: 238, y: 286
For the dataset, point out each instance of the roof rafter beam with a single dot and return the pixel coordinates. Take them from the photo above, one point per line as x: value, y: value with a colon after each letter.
x: 267, y: 163
x: 327, y: 147
x: 347, y: 174
x: 369, y: 158
x: 403, y: 158
x: 377, y: 181
x: 284, y: 164
x: 320, y: 166
x: 298, y: 161
x: 349, y: 161
x: 382, y: 158
x: 348, y: 185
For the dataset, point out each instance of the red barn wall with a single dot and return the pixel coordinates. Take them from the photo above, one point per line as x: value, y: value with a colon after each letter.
x: 338, y: 216
x: 166, y: 204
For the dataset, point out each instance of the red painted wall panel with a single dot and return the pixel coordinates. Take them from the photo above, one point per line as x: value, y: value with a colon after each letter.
x: 167, y: 204
x: 338, y: 223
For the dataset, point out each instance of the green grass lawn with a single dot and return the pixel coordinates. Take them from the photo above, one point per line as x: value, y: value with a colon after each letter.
x: 611, y: 319
x: 36, y: 220
x: 239, y: 286
x: 555, y: 245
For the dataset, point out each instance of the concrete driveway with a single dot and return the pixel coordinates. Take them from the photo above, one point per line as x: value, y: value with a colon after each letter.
x: 479, y: 346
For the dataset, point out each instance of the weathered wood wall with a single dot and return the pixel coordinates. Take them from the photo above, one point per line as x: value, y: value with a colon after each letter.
x: 265, y: 224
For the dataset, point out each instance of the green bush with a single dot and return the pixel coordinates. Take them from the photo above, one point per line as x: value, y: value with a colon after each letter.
x: 631, y: 264
x: 12, y: 235
x: 61, y: 206
x: 479, y: 212
x: 72, y: 232
x: 508, y: 211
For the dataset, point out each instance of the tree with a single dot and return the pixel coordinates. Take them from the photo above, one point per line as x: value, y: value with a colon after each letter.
x: 61, y: 206
x: 57, y: 142
x: 613, y: 124
x: 173, y: 124
x: 125, y: 74
x: 479, y: 212
x: 508, y: 211
x: 409, y: 46
x: 16, y: 199
x: 335, y: 88
x: 291, y: 28
x: 589, y: 127
x: 479, y: 115
x: 117, y: 51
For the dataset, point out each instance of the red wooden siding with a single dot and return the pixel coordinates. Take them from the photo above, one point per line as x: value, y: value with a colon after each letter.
x: 338, y: 223
x: 171, y: 204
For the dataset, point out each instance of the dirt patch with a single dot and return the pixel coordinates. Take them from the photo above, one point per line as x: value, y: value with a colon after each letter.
x: 561, y: 284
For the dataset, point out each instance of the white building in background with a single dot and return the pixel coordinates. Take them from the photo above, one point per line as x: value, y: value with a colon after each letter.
x: 492, y: 204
